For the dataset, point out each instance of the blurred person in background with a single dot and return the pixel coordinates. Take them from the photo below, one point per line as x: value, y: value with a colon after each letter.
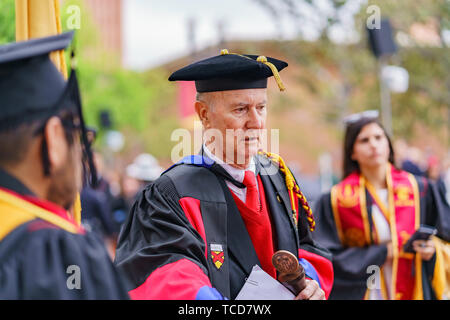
x: 433, y: 171
x: 144, y: 170
x: 436, y: 173
x: 446, y: 176
x: 409, y: 158
x: 310, y: 183
x: 414, y: 162
x: 96, y: 208
x: 367, y: 218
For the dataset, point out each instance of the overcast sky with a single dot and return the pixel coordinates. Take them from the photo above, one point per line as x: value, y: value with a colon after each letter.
x: 156, y: 31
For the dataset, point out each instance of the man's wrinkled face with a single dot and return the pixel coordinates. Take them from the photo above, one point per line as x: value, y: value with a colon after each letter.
x: 240, y: 117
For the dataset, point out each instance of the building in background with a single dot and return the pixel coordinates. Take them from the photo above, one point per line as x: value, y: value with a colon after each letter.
x: 107, y: 15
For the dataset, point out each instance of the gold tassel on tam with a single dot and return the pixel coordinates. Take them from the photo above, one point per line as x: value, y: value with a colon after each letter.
x: 276, y: 75
x: 262, y: 59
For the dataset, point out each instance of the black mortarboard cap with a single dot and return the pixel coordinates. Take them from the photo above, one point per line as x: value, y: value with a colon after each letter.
x: 31, y: 87
x: 30, y: 84
x: 230, y: 71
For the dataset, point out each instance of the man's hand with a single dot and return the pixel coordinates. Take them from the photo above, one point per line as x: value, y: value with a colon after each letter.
x: 312, y: 291
x: 425, y: 248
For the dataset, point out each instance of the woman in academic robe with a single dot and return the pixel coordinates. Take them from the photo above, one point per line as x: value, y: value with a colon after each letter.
x: 368, y: 217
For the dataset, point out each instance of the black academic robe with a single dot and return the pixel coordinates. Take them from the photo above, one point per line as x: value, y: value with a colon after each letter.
x: 44, y: 256
x: 350, y: 263
x: 169, y: 244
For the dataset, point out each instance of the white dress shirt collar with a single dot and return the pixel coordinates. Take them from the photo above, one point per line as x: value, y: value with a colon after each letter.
x: 236, y: 173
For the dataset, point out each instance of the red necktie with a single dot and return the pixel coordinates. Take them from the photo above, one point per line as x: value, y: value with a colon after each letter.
x: 252, y: 197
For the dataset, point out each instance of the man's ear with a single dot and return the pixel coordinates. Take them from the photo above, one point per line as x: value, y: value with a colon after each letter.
x: 57, y: 146
x: 202, y: 111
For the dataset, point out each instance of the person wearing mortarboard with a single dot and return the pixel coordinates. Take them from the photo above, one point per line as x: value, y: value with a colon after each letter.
x: 44, y: 253
x: 198, y: 230
x: 367, y: 219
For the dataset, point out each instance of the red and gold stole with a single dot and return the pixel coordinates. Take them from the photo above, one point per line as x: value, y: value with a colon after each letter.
x: 16, y: 210
x: 348, y: 199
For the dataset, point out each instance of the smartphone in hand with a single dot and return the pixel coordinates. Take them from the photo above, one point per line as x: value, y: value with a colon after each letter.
x: 423, y: 233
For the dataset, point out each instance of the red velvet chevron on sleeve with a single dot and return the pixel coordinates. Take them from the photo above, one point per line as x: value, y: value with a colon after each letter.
x: 322, y: 267
x: 180, y: 280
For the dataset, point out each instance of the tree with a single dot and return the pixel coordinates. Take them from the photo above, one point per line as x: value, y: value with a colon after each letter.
x: 137, y: 102
x: 7, y: 21
x: 427, y: 101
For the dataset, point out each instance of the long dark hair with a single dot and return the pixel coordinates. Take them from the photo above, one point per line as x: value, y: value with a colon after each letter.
x: 351, y: 133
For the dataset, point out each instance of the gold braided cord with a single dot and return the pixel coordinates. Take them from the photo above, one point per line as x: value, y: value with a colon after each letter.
x: 293, y: 188
x: 262, y: 59
x: 274, y: 69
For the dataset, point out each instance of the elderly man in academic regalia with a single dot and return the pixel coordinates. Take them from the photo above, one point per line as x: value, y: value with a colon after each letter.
x: 197, y: 231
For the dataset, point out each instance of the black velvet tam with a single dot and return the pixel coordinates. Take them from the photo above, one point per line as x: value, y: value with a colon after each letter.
x: 229, y: 72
